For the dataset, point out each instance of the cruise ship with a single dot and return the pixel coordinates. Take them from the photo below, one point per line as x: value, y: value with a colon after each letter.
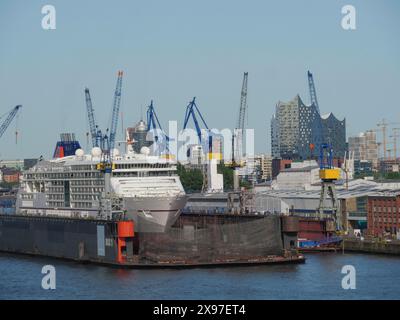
x: 144, y: 188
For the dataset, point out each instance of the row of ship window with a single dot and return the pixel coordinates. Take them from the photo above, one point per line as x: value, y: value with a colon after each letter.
x: 64, y: 175
x: 144, y: 174
x: 141, y: 165
x: 73, y: 205
x: 76, y: 190
x: 73, y: 197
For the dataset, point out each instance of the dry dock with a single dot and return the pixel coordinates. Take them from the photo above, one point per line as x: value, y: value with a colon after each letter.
x: 196, y: 240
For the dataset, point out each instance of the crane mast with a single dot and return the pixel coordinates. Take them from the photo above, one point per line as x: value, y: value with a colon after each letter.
x: 95, y: 133
x: 115, y: 112
x: 239, y: 130
x: 313, y: 93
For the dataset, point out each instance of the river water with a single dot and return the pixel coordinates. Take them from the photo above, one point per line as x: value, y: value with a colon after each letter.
x: 377, y: 277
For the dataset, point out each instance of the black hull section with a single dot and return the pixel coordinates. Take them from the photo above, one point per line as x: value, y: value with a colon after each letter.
x: 74, y: 239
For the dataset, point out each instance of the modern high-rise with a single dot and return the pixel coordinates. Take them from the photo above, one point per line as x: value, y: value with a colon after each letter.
x: 298, y: 130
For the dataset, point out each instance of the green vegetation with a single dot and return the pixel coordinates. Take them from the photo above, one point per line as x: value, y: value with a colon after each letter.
x: 192, y: 180
x: 228, y: 176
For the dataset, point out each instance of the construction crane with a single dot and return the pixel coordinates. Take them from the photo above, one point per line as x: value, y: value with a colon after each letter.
x: 328, y: 175
x: 313, y: 93
x: 95, y: 132
x: 237, y: 136
x: 395, y: 135
x: 108, y: 141
x: 383, y: 125
x: 10, y: 116
x: 115, y: 113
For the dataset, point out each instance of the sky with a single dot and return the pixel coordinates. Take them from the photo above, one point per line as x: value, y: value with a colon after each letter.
x: 171, y: 51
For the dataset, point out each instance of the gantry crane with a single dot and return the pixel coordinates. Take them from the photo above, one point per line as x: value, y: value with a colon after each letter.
x: 10, y: 116
x: 328, y: 175
x: 154, y: 124
x: 313, y: 93
x: 191, y: 111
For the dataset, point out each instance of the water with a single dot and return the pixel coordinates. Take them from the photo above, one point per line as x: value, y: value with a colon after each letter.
x: 319, y: 278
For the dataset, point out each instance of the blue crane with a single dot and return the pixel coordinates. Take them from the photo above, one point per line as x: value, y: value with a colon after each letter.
x: 238, y: 134
x: 115, y: 112
x: 95, y: 132
x: 313, y: 93
x: 191, y: 110
x: 153, y: 122
x: 326, y: 156
x: 8, y: 120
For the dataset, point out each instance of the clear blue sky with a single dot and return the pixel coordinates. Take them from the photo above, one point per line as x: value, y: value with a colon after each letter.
x: 174, y: 50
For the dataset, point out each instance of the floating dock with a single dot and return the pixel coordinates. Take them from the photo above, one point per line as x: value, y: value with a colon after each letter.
x: 194, y: 241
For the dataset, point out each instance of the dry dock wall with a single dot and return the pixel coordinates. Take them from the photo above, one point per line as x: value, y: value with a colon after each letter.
x: 372, y: 246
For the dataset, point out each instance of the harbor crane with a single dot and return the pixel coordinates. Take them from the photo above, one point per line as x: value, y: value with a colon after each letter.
x: 105, y: 141
x: 95, y: 132
x: 10, y: 116
x: 115, y: 113
x: 191, y: 111
x: 328, y: 175
x: 313, y: 93
x: 153, y: 124
x: 108, y: 141
x: 238, y: 134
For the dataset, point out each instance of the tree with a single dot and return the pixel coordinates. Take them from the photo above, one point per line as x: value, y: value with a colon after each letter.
x: 191, y: 179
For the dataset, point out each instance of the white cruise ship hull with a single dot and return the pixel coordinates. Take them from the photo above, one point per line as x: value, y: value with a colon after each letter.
x: 154, y: 214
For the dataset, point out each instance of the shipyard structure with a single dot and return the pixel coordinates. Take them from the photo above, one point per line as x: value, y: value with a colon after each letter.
x: 298, y: 130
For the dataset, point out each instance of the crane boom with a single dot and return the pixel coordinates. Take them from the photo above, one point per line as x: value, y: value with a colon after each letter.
x: 237, y: 137
x: 243, y: 103
x: 92, y: 122
x: 8, y: 120
x: 115, y: 111
x: 313, y: 93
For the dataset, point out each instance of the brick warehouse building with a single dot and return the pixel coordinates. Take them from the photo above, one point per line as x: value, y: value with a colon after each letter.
x: 383, y: 213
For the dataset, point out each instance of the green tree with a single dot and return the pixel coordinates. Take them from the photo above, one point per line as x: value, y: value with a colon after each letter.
x: 192, y: 179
